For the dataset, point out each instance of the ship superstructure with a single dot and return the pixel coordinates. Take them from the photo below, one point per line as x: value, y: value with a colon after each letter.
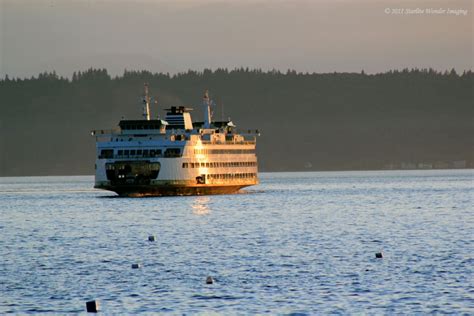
x: 175, y: 156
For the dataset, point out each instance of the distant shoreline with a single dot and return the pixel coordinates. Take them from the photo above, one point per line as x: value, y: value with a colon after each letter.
x: 400, y: 119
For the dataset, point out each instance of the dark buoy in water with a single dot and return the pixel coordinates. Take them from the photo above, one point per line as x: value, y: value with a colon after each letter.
x: 378, y: 255
x: 209, y: 280
x: 151, y: 238
x: 136, y: 266
x: 92, y: 306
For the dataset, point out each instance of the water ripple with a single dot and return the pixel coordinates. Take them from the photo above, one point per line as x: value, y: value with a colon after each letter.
x: 298, y: 244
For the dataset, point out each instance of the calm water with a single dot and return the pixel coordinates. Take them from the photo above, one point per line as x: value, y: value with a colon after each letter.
x: 297, y: 243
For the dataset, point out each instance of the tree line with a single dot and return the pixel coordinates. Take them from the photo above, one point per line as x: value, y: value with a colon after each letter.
x: 308, y: 121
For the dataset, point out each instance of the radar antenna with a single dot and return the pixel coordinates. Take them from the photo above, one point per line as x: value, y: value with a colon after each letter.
x: 207, y: 109
x: 146, y: 104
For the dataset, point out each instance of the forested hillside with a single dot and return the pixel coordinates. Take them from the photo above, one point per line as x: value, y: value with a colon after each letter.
x: 335, y: 121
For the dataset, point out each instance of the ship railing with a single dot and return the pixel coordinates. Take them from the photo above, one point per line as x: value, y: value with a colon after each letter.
x: 139, y: 156
x: 229, y: 142
x: 130, y: 156
x: 104, y: 132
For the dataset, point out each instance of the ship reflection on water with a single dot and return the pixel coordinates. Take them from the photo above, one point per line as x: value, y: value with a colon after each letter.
x: 200, y: 205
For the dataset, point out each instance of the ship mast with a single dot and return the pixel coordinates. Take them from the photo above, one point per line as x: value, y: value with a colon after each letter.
x: 146, y: 104
x: 207, y: 109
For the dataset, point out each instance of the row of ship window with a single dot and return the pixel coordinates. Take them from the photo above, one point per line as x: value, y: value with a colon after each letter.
x: 219, y: 164
x: 140, y: 152
x: 223, y: 151
x: 169, y: 152
x: 231, y: 176
x: 140, y: 126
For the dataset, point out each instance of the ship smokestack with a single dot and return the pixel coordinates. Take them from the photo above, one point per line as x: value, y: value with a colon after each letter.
x: 207, y: 109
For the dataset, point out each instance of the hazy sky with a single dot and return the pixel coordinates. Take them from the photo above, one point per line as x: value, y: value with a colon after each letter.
x: 320, y: 36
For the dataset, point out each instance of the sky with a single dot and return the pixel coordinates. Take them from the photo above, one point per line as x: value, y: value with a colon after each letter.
x: 174, y: 36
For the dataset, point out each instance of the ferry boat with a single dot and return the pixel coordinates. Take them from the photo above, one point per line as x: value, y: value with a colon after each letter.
x: 174, y: 155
